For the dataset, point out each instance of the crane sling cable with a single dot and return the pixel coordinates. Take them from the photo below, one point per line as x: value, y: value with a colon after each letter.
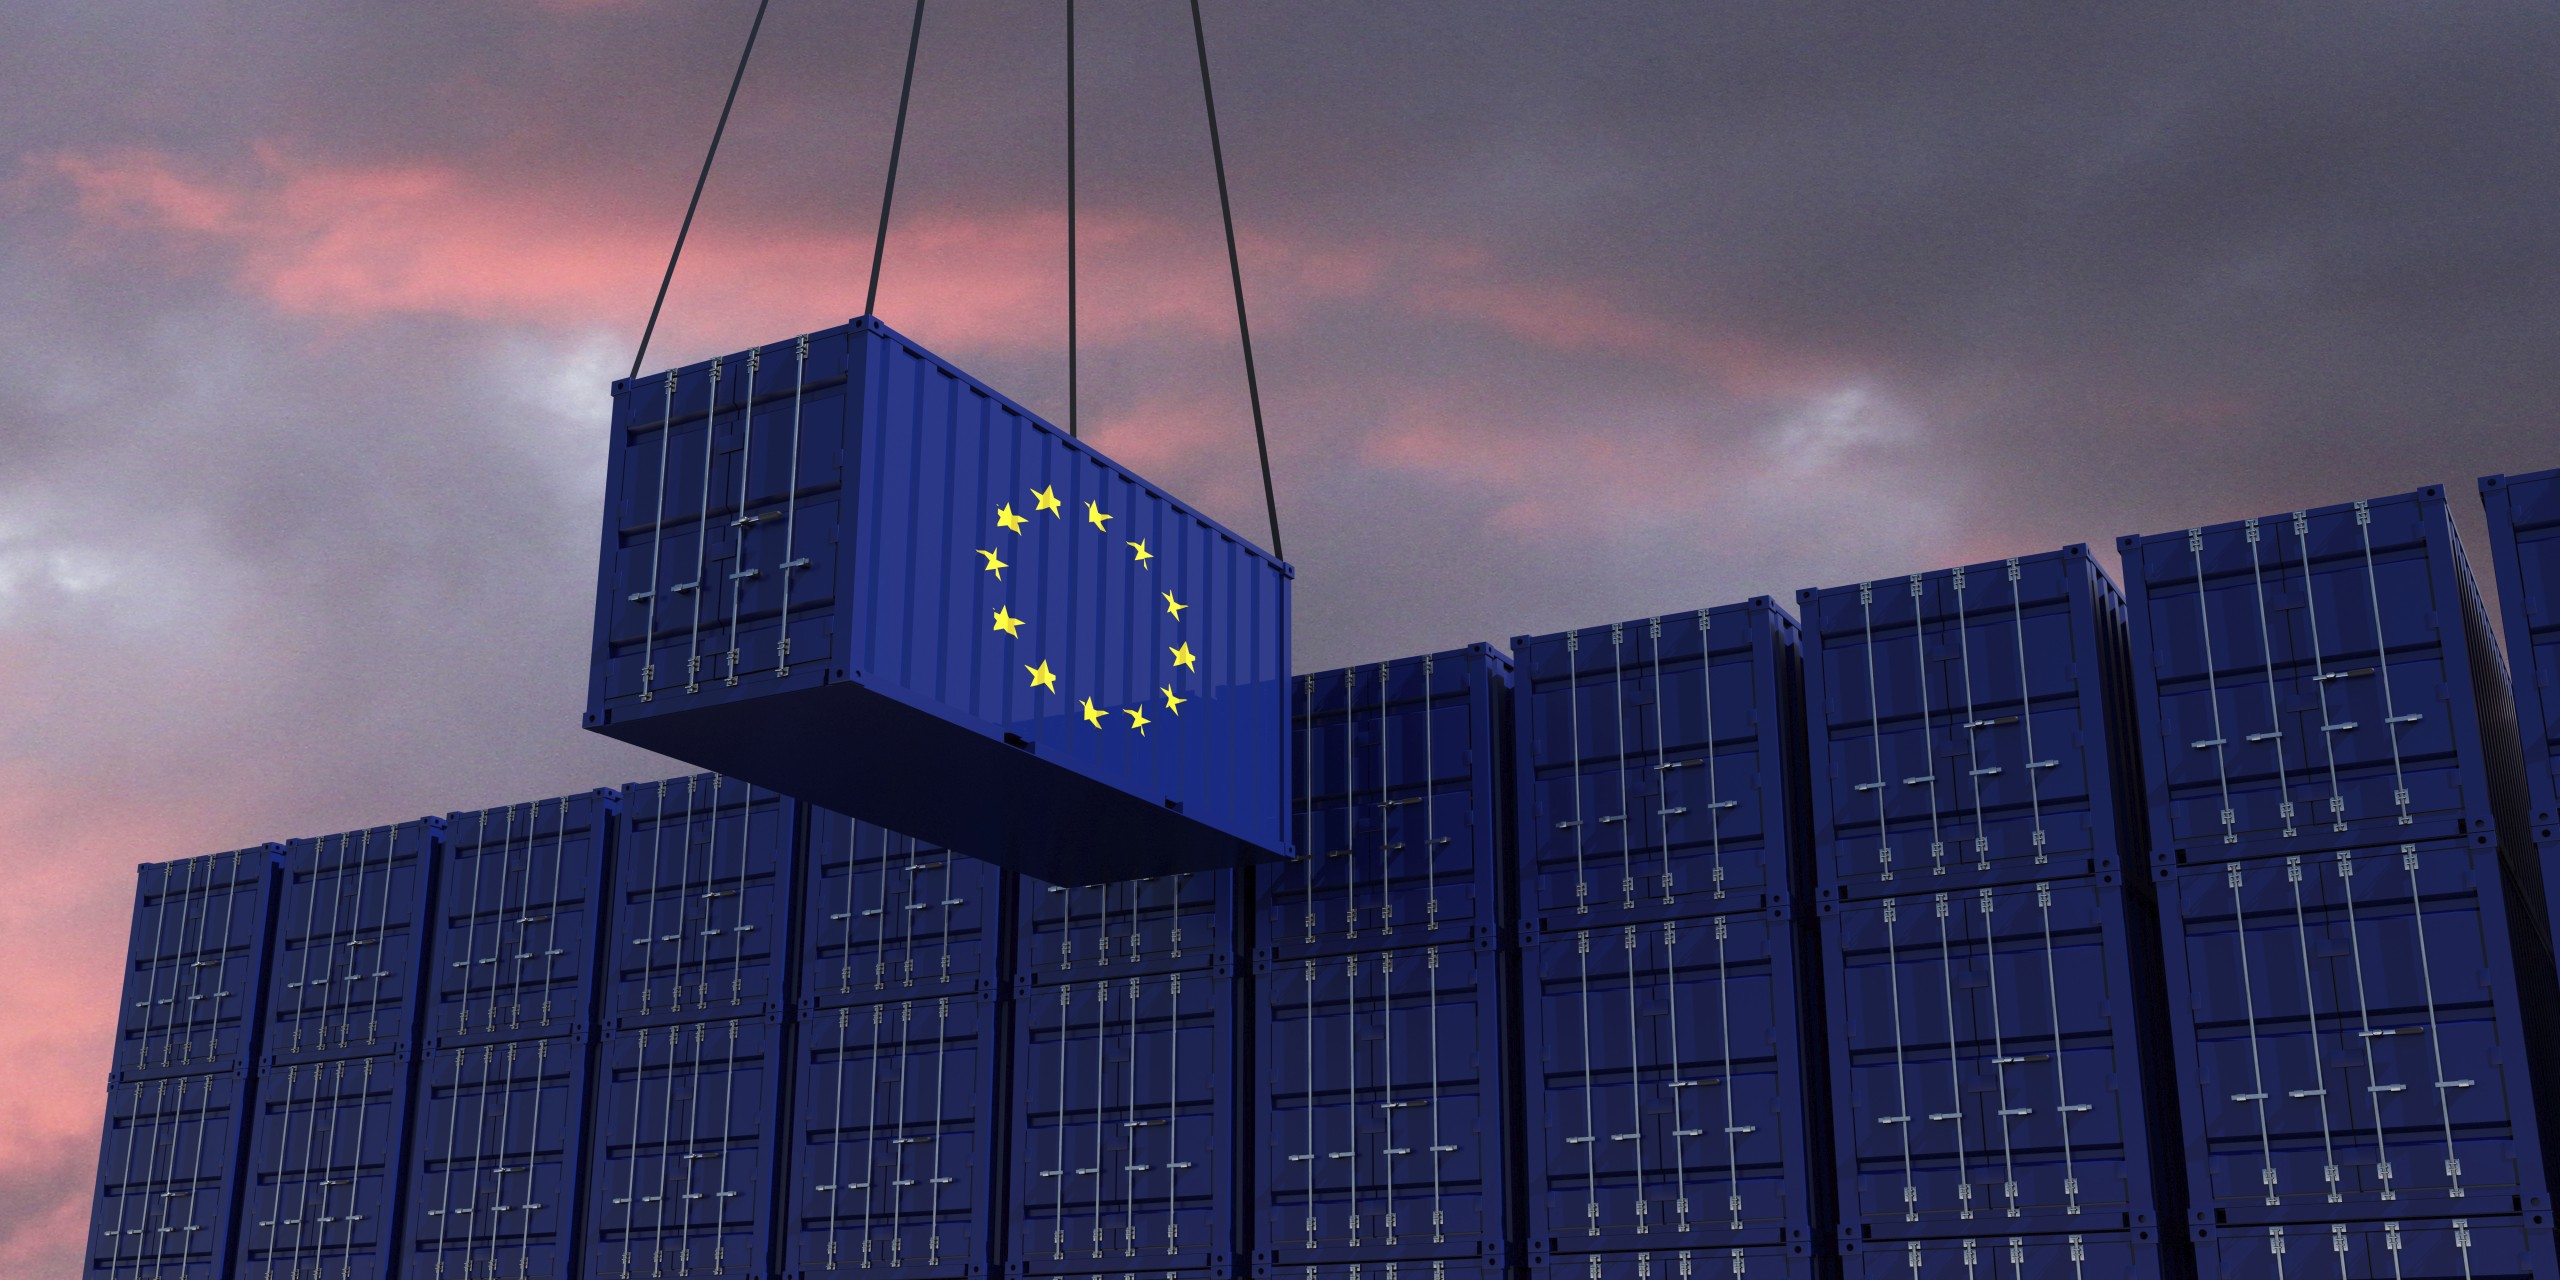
x: 686, y: 228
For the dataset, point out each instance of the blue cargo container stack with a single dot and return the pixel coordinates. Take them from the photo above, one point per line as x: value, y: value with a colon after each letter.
x: 2524, y: 540
x: 1672, y: 1063
x: 1384, y: 1033
x: 2348, y: 882
x: 1997, y: 1038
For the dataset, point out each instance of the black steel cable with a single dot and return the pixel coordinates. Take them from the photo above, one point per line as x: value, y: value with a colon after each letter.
x: 1235, y: 271
x: 699, y: 179
x: 897, y: 143
x: 1071, y: 218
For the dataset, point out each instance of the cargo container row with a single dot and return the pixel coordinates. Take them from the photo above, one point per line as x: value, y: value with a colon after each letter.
x: 846, y: 570
x: 323, y: 1193
x: 519, y: 919
x: 702, y: 904
x: 2524, y: 541
x: 1401, y: 808
x: 195, y: 966
x: 1970, y: 727
x: 169, y: 1172
x: 1658, y: 767
x: 888, y: 917
x: 346, y: 971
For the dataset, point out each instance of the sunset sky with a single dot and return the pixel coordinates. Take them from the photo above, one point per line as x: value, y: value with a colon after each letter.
x: 1565, y: 313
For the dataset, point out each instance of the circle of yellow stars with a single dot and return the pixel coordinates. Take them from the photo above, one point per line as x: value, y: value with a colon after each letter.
x: 1044, y: 501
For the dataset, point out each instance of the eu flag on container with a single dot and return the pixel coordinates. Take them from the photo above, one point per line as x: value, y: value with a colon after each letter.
x: 840, y: 568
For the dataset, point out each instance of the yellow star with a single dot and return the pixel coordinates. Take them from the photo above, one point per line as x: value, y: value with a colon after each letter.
x: 1093, y: 515
x: 1012, y: 523
x: 994, y: 565
x: 1048, y: 500
x: 1172, y: 704
x: 1092, y: 714
x: 1183, y: 657
x: 1140, y: 546
x: 1007, y: 623
x: 1173, y: 606
x: 1138, y: 720
x: 1042, y: 677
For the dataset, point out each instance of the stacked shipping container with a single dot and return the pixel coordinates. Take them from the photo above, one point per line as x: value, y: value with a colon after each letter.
x: 2524, y: 540
x: 2344, y: 869
x: 1997, y: 1036
x: 1672, y: 1068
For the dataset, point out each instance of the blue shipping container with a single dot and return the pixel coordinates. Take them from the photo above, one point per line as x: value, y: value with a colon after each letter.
x: 1127, y: 1152
x: 519, y: 918
x: 846, y: 570
x: 326, y: 1149
x: 1677, y: 1092
x: 895, y: 1139
x: 1994, y: 1062
x: 1400, y: 808
x: 1381, y: 1108
x: 2483, y: 1248
x: 2094, y: 1255
x: 2524, y: 540
x: 1164, y: 924
x: 1657, y: 766
x: 168, y: 1190
x: 1698, y: 1262
x: 1971, y: 726
x: 701, y: 900
x: 195, y: 969
x: 495, y: 1150
x: 2318, y: 679
x: 683, y: 1159
x: 2351, y: 1035
x: 889, y: 917
x: 347, y: 969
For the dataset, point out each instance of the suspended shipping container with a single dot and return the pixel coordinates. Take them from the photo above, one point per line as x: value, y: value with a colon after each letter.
x: 1659, y: 762
x: 2092, y: 1255
x: 345, y: 975
x: 683, y: 1157
x: 889, y: 917
x: 1381, y: 1109
x: 2524, y: 540
x: 896, y: 1159
x: 2351, y: 1035
x: 701, y: 900
x: 2483, y: 1248
x: 195, y: 969
x: 1971, y: 727
x: 1127, y: 1154
x: 519, y: 919
x: 1998, y: 1062
x: 1674, y: 1088
x: 1703, y: 1262
x: 1401, y: 808
x: 1184, y: 922
x: 2317, y: 680
x: 168, y: 1189
x: 496, y: 1149
x: 323, y: 1195
x: 843, y: 569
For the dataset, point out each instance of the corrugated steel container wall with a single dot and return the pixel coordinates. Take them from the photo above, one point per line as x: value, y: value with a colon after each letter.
x: 1380, y: 1108
x: 1401, y: 808
x: 2093, y: 1255
x: 1971, y: 726
x: 168, y: 1190
x: 702, y: 903
x: 2524, y: 540
x: 877, y: 512
x: 519, y: 921
x: 496, y: 1146
x: 1995, y: 1064
x: 2319, y: 679
x: 2351, y: 1035
x: 195, y: 969
x: 684, y: 1153
x: 896, y: 1136
x: 1621, y: 812
x: 1699, y: 1262
x: 1127, y: 1144
x: 1672, y: 1101
x: 1164, y: 924
x: 346, y: 973
x: 888, y: 917
x: 326, y: 1148
x: 2483, y: 1248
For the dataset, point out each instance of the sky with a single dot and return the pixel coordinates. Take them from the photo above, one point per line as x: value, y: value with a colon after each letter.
x: 1564, y: 314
